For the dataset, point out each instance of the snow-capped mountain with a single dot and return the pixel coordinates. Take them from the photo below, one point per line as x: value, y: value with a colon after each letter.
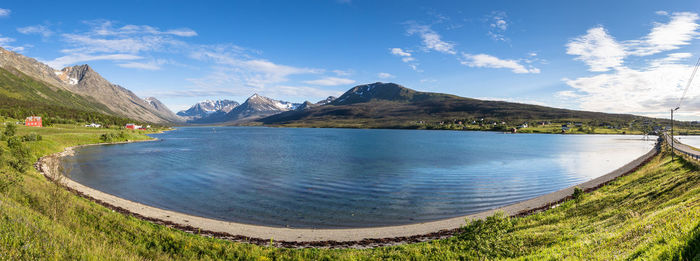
x: 208, y: 107
x: 326, y: 100
x: 253, y: 108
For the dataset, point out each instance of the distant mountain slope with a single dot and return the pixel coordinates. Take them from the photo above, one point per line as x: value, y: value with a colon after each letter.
x: 22, y: 96
x: 388, y: 105
x: 205, y: 108
x: 84, y: 81
x: 163, y: 110
x: 253, y: 108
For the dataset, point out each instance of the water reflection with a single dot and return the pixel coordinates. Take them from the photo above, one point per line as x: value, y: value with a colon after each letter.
x: 345, y: 177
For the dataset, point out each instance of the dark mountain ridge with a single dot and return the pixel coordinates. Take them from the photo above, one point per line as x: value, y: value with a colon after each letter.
x: 389, y: 105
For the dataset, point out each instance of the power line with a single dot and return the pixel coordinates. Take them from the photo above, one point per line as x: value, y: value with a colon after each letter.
x: 689, y: 82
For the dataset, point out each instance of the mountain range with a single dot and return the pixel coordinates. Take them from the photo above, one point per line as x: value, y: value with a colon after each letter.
x: 28, y: 83
x: 86, y: 86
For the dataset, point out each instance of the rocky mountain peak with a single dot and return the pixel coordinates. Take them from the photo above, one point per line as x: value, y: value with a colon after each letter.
x: 375, y: 91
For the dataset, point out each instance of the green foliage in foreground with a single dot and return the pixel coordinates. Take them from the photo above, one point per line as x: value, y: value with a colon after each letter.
x: 653, y: 213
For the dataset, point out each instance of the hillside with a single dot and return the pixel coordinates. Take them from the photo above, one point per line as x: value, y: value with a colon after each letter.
x: 83, y: 81
x: 389, y: 105
x: 22, y: 96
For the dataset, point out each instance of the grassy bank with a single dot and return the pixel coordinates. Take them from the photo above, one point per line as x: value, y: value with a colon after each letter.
x: 653, y: 213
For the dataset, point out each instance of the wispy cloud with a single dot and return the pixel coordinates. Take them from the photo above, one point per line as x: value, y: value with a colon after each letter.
x: 107, y: 28
x: 384, y: 75
x: 489, y: 61
x: 653, y: 87
x: 601, y: 52
x: 78, y: 58
x: 242, y: 73
x: 152, y: 65
x: 343, y: 72
x: 42, y: 30
x: 330, y: 81
x: 7, y: 43
x: 498, y: 24
x: 678, y: 32
x: 301, y: 92
x: 104, y: 41
x: 431, y: 40
x: 597, y: 49
x: 4, y: 12
x: 406, y: 57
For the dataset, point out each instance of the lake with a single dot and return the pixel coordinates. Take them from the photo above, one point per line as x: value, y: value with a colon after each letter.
x: 343, y: 178
x: 689, y: 140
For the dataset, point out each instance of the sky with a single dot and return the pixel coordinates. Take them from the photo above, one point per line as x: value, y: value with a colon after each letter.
x: 609, y: 56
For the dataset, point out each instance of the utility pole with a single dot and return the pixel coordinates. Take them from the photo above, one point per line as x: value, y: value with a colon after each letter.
x: 672, y: 148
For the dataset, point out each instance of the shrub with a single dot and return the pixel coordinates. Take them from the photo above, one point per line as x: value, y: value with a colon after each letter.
x: 32, y: 137
x: 491, y: 238
x: 10, y: 130
x: 578, y: 194
x: 111, y: 137
x: 21, y: 161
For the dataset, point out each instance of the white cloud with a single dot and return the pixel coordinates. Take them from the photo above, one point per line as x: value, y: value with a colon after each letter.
x: 399, y: 52
x: 342, y: 72
x: 105, y: 41
x: 406, y: 57
x: 661, y: 12
x: 597, y: 49
x: 670, y: 59
x: 384, y: 75
x: 431, y: 39
x: 6, y: 42
x: 488, y: 61
x: 601, y: 52
x: 498, y: 25
x: 651, y: 89
x: 67, y: 60
x: 152, y: 65
x: 42, y: 30
x: 645, y: 91
x: 106, y: 28
x: 679, y: 31
x: 235, y: 68
x: 91, y: 44
x: 515, y: 100
x: 330, y: 81
x: 4, y: 12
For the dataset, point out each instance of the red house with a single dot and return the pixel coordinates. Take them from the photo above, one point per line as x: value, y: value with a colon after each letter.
x: 33, y: 121
x: 130, y: 126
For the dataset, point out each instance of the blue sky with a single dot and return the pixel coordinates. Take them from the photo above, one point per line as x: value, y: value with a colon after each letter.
x: 612, y: 56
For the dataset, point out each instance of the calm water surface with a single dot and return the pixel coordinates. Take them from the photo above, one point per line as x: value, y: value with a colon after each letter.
x: 333, y: 178
x: 689, y: 140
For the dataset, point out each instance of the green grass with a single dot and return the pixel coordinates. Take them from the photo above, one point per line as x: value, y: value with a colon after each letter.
x: 653, y: 213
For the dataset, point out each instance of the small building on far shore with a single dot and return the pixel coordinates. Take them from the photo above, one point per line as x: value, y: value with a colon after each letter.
x: 132, y: 126
x: 33, y: 121
x: 93, y: 125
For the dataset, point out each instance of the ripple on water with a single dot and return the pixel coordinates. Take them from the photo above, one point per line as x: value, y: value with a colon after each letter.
x: 333, y: 178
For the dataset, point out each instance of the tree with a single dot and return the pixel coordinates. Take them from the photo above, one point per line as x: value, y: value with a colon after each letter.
x: 10, y: 130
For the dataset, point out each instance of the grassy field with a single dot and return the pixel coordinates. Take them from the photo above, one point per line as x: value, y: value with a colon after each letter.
x: 653, y: 213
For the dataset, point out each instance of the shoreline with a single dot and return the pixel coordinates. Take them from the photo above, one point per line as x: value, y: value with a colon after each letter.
x: 305, y: 237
